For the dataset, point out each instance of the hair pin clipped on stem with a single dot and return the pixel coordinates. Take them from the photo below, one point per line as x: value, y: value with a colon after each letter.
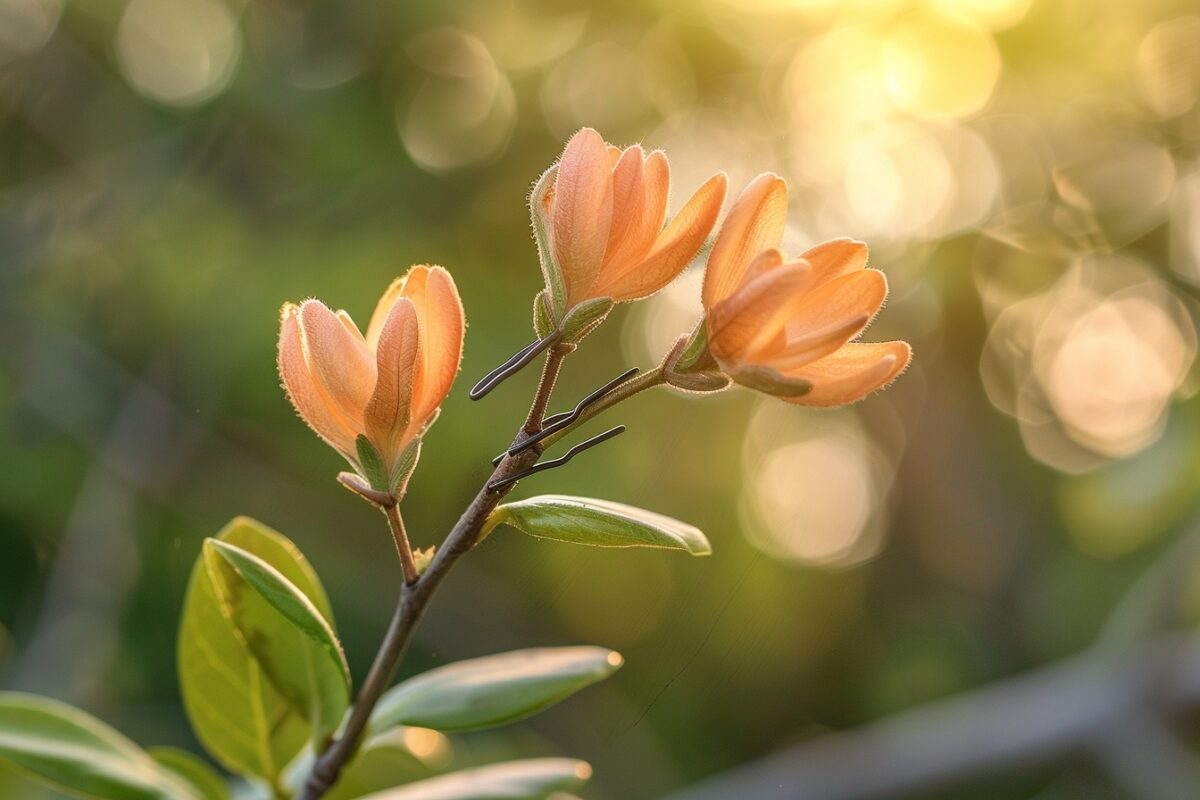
x: 511, y: 366
x: 557, y: 422
x: 495, y: 486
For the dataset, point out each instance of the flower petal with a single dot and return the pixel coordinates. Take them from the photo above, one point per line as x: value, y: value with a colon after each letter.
x: 835, y: 258
x: 674, y: 248
x: 343, y: 369
x: 753, y: 312
x: 301, y: 389
x: 754, y: 223
x: 390, y: 409
x: 383, y: 308
x: 851, y: 373
x: 441, y: 321
x: 841, y: 307
x: 581, y: 211
x: 639, y: 230
x: 628, y: 236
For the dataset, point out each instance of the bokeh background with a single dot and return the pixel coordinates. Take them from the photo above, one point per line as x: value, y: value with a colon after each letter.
x: 1027, y: 173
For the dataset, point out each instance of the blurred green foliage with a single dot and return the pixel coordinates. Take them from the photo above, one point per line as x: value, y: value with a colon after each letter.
x: 1027, y: 174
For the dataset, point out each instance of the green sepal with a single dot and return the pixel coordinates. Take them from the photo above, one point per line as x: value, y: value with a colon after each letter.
x: 695, y: 352
x: 768, y: 381
x: 372, y: 465
x: 543, y: 321
x: 584, y: 318
x: 551, y: 272
x: 405, y: 465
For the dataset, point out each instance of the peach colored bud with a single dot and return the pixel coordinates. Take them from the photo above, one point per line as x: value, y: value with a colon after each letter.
x: 599, y: 219
x: 386, y: 386
x: 787, y: 326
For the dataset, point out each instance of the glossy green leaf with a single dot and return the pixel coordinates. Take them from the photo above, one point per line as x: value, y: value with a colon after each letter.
x: 530, y: 779
x: 494, y: 690
x: 286, y: 633
x: 397, y: 756
x: 599, y: 523
x: 236, y: 712
x: 192, y: 771
x: 75, y: 752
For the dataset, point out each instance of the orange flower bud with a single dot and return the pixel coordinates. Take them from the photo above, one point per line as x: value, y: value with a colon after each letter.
x: 599, y: 217
x: 787, y: 326
x: 372, y: 397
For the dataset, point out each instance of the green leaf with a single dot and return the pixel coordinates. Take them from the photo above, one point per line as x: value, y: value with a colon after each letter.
x: 530, y: 779
x: 75, y: 752
x: 197, y: 774
x: 397, y: 756
x: 236, y: 712
x: 494, y: 690
x: 543, y: 321
x: 599, y: 523
x: 292, y: 642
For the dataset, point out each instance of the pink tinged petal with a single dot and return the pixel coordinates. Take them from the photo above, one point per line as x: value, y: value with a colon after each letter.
x: 390, y: 409
x: 754, y: 223
x: 441, y: 322
x: 383, y: 308
x: 626, y: 238
x: 343, y: 369
x: 640, y: 230
x: 348, y: 321
x: 753, y: 313
x: 302, y: 390
x: 835, y: 258
x: 674, y: 248
x: 851, y: 373
x: 581, y: 212
x: 820, y: 320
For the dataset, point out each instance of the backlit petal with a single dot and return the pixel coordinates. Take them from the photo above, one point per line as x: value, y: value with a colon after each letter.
x: 581, y: 211
x: 389, y: 411
x: 441, y: 321
x: 343, y: 369
x: 301, y: 389
x: 674, y: 248
x: 851, y: 373
x: 752, y: 312
x: 754, y: 223
x: 813, y: 321
x: 835, y: 258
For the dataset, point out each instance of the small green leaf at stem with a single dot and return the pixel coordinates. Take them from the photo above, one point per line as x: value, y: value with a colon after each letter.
x: 599, y: 523
x: 493, y: 690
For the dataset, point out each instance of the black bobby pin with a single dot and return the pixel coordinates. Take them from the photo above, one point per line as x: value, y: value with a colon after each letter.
x: 558, y: 462
x: 511, y: 367
x: 557, y: 422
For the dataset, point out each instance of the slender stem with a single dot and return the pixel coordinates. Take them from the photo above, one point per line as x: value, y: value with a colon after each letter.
x: 415, y: 595
x: 541, y: 399
x: 396, y: 523
x: 635, y: 385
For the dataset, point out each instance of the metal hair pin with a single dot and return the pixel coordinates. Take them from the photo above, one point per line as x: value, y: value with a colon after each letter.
x: 558, y: 462
x: 556, y: 422
x: 511, y: 367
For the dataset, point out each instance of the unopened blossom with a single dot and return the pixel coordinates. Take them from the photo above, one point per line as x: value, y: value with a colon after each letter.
x: 387, y: 385
x: 599, y: 216
x: 788, y: 326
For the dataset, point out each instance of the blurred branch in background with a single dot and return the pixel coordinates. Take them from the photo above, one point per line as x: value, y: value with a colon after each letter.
x: 1115, y: 704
